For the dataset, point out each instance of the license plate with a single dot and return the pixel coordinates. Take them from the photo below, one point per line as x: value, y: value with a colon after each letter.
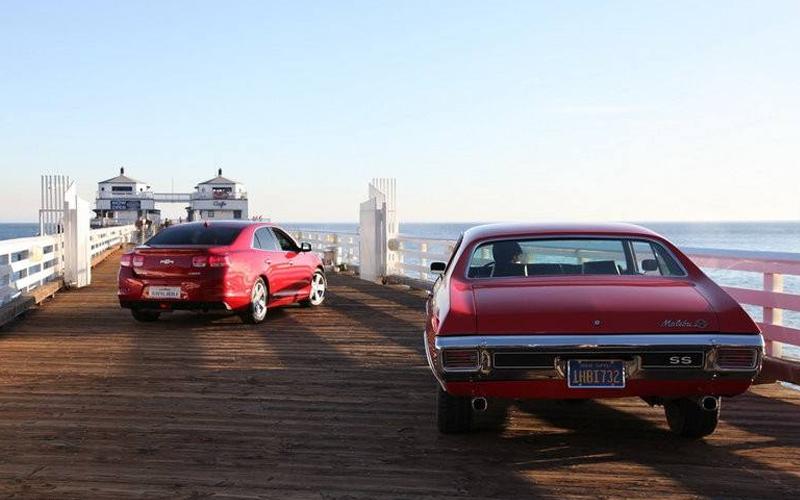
x: 163, y: 292
x: 595, y: 374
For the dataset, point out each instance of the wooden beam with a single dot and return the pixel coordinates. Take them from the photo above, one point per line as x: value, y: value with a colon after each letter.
x: 775, y: 369
x: 10, y: 311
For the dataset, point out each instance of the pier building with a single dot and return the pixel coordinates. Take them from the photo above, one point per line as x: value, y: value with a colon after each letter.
x: 218, y: 198
x: 123, y: 200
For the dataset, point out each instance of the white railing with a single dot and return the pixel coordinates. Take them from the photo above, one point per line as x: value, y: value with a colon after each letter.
x: 26, y: 263
x: 207, y: 195
x: 104, y: 238
x: 769, y: 296
x: 337, y: 248
x: 763, y: 294
x: 416, y: 254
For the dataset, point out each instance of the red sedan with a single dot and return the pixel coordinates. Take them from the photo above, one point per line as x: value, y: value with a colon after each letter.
x: 238, y: 266
x: 583, y: 312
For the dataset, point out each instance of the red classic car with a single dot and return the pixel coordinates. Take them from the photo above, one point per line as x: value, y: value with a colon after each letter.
x: 583, y: 312
x: 239, y: 266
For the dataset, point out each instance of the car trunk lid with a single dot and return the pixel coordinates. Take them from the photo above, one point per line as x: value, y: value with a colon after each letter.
x: 592, y: 305
x: 170, y: 262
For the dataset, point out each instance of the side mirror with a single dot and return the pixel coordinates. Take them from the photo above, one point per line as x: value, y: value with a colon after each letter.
x: 438, y: 267
x: 649, y: 265
x: 305, y: 247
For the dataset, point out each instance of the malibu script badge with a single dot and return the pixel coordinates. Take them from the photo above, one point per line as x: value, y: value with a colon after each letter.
x: 684, y: 323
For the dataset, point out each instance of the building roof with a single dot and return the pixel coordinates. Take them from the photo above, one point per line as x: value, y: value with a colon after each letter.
x: 219, y: 179
x: 121, y: 179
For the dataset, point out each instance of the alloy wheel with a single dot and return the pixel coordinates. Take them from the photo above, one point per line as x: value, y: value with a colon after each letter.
x: 318, y: 286
x: 259, y: 300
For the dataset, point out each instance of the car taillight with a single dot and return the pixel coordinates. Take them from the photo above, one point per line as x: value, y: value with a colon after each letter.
x: 736, y: 358
x: 210, y: 261
x: 460, y: 359
x: 138, y: 260
x: 125, y: 260
x: 218, y: 261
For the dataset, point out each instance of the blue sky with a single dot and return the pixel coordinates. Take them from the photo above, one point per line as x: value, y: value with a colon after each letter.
x: 482, y: 110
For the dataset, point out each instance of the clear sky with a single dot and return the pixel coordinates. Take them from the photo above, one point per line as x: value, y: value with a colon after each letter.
x: 484, y: 110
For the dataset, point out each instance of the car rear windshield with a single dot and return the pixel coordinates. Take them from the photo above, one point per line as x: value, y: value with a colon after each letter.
x: 572, y: 256
x: 195, y: 234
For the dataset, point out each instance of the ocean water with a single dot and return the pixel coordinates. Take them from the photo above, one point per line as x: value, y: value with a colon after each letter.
x: 765, y: 236
x: 13, y: 230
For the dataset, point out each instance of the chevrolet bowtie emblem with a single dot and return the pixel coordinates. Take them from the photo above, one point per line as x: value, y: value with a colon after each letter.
x: 167, y: 262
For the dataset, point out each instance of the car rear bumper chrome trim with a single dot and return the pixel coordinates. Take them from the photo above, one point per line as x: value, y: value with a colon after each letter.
x: 547, y: 355
x: 525, y: 342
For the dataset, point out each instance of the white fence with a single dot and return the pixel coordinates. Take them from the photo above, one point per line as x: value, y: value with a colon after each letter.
x: 341, y: 248
x: 763, y: 273
x: 755, y: 279
x: 102, y: 239
x: 27, y: 263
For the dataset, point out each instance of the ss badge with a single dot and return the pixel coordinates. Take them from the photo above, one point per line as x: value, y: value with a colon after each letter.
x: 680, y: 360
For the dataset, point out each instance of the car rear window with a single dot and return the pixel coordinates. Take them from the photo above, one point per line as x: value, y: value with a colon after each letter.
x: 195, y: 234
x: 572, y: 256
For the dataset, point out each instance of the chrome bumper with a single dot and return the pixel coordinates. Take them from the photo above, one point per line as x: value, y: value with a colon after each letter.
x: 555, y: 350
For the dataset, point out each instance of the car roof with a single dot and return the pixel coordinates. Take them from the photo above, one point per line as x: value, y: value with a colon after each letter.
x: 225, y: 223
x: 512, y: 229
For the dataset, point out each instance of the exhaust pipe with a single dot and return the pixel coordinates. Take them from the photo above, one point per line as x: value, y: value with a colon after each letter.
x: 479, y: 404
x: 709, y: 403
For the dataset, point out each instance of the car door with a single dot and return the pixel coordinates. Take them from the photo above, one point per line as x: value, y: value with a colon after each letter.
x: 297, y: 271
x: 273, y: 263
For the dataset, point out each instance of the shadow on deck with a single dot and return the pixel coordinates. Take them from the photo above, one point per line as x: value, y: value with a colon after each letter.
x: 328, y: 403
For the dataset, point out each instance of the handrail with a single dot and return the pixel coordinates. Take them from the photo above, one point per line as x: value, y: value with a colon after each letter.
x: 101, y: 239
x: 772, y: 299
x: 766, y: 302
x: 28, y: 263
x: 336, y: 248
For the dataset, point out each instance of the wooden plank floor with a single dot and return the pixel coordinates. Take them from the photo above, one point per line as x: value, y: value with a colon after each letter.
x: 335, y: 402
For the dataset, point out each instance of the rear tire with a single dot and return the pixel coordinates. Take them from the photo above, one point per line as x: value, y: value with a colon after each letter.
x: 453, y: 413
x: 256, y: 311
x: 688, y: 419
x: 145, y: 316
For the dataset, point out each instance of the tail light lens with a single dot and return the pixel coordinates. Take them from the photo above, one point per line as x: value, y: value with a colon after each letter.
x: 737, y: 358
x: 460, y: 359
x: 138, y: 260
x: 218, y: 261
x: 125, y: 260
x: 210, y: 261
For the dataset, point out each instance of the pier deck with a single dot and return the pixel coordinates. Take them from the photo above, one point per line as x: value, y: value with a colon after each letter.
x: 335, y: 402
